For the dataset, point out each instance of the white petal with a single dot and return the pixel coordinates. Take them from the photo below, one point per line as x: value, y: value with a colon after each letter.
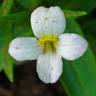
x: 25, y: 48
x: 72, y: 46
x: 48, y: 21
x: 49, y: 67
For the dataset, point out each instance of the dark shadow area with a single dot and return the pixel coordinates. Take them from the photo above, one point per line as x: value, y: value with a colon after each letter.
x: 27, y: 83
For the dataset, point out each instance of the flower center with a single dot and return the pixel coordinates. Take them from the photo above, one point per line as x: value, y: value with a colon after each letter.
x: 48, y: 43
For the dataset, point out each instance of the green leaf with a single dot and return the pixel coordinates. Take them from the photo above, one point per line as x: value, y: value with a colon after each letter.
x: 6, y: 7
x: 1, y: 61
x: 8, y: 67
x: 20, y: 25
x: 30, y: 4
x: 89, y: 28
x: 16, y: 18
x: 6, y: 60
x: 74, y: 14
x: 79, y: 76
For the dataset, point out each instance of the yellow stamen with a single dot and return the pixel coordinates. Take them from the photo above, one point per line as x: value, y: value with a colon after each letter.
x: 48, y: 43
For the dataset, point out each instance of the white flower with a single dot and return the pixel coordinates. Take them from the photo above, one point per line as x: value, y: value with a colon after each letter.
x: 49, y: 45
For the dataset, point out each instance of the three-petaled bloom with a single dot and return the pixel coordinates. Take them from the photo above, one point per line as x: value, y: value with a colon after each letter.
x: 50, y: 44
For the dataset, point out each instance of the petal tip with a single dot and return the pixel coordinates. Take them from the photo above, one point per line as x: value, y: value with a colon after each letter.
x: 73, y: 46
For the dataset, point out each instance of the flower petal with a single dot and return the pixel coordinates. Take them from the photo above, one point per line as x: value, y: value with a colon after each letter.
x: 49, y: 67
x: 48, y: 21
x: 25, y: 48
x: 72, y: 46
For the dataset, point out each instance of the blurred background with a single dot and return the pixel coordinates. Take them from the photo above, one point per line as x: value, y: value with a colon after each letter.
x: 15, y: 22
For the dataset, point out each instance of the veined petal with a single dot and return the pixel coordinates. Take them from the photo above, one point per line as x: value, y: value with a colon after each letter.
x: 25, y: 48
x: 49, y: 67
x: 48, y: 21
x: 72, y: 46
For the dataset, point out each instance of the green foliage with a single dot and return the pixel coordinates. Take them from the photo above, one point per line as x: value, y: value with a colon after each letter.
x: 85, y: 5
x: 30, y: 4
x: 9, y: 30
x: 90, y: 30
x: 6, y: 7
x: 8, y: 66
x: 79, y: 76
x: 74, y: 14
x: 1, y: 61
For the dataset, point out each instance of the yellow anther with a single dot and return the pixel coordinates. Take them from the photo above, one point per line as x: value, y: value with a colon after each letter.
x: 48, y: 42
